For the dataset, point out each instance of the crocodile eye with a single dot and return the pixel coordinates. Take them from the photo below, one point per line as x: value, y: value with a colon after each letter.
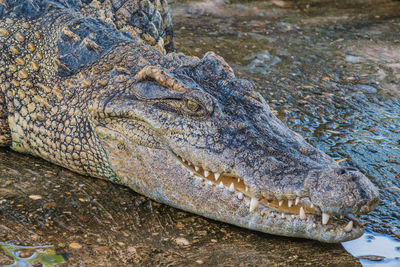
x: 192, y: 106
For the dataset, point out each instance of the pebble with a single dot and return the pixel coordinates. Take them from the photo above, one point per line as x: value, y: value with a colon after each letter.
x: 26, y: 254
x: 75, y: 245
x: 35, y: 197
x: 131, y: 249
x: 366, y: 88
x: 181, y: 241
x: 372, y: 257
x: 353, y: 59
x: 102, y: 249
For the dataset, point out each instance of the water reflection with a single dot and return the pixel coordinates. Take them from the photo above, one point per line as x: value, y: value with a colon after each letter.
x: 375, y: 250
x: 30, y: 256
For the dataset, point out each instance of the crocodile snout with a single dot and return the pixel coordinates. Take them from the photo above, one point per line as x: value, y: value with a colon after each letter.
x: 344, y: 190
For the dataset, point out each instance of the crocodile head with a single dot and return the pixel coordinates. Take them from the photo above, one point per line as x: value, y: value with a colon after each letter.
x: 199, y: 139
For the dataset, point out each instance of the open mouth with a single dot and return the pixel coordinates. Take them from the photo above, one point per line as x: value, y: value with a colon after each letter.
x: 299, y: 208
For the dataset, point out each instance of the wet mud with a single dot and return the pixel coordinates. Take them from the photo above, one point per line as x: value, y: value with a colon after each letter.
x: 90, y: 222
x: 328, y: 69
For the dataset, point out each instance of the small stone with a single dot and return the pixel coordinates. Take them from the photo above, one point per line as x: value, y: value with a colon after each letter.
x: 200, y: 262
x: 131, y: 249
x: 353, y: 59
x: 372, y: 257
x: 366, y: 88
x: 34, y: 236
x: 181, y: 241
x: 121, y: 244
x: 35, y: 197
x: 75, y: 245
x: 101, y: 249
x: 49, y: 205
x: 26, y: 254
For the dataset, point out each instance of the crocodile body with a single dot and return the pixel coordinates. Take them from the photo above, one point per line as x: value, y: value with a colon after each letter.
x: 97, y: 87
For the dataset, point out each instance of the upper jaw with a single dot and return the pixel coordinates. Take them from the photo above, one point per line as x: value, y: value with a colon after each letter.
x: 297, y: 215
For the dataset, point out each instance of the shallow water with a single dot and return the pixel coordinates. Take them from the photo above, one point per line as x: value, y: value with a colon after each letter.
x: 329, y: 69
x: 31, y: 256
x: 375, y: 250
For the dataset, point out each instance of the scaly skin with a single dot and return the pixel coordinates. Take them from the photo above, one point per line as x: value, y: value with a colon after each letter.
x: 89, y: 87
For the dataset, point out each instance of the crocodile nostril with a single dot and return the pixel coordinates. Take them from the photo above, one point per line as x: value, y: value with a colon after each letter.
x: 341, y: 172
x: 345, y: 170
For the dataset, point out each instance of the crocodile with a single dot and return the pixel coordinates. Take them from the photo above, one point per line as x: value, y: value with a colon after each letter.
x: 98, y: 88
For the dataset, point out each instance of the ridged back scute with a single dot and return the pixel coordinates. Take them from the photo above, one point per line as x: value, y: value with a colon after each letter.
x: 86, y: 40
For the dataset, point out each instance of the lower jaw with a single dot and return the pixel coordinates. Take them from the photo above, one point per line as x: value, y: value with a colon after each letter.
x: 229, y: 209
x: 273, y: 223
x: 309, y: 229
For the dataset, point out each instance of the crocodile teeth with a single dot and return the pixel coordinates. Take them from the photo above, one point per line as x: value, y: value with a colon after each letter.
x: 221, y: 185
x: 206, y: 173
x: 290, y: 203
x: 297, y: 201
x: 349, y: 226
x: 253, y: 203
x: 240, y: 196
x: 302, y: 214
x: 196, y: 168
x: 216, y: 175
x: 312, y: 205
x: 246, y: 188
x: 280, y: 202
x: 283, y: 215
x: 325, y: 218
x: 238, y: 180
x: 232, y: 188
x: 191, y: 173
